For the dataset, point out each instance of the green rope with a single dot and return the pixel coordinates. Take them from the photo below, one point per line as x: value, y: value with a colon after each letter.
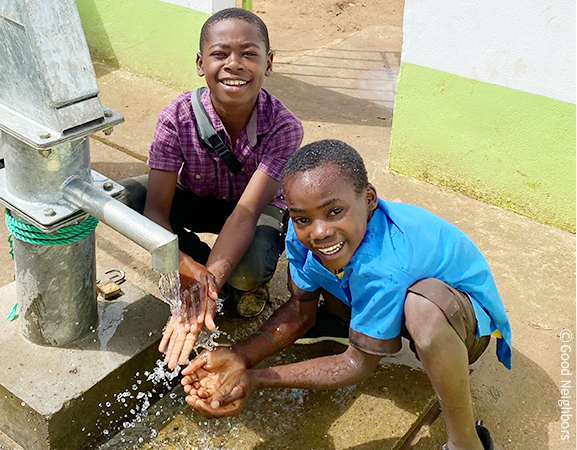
x: 12, y: 314
x: 32, y: 235
x: 29, y: 233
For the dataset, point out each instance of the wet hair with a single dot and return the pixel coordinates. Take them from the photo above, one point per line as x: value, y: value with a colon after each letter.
x: 239, y: 14
x: 330, y: 151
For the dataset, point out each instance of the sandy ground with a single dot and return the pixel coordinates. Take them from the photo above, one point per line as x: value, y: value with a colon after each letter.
x: 335, y: 66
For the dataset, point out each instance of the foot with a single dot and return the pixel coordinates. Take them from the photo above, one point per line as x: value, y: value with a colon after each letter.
x: 252, y: 303
x: 484, y: 437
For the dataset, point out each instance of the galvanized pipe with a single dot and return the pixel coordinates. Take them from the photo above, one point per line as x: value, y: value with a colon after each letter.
x: 161, y: 243
x: 56, y: 285
x: 37, y: 175
x: 56, y: 291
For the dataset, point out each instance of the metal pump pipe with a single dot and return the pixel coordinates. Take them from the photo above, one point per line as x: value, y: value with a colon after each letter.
x: 161, y: 243
x: 49, y: 106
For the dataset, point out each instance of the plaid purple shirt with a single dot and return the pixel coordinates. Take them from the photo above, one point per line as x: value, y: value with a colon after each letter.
x: 270, y: 138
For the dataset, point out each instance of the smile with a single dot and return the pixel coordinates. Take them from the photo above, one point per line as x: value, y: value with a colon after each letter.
x: 332, y: 249
x: 234, y: 82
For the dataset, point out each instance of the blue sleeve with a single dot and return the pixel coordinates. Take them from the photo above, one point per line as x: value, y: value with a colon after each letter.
x: 378, y: 299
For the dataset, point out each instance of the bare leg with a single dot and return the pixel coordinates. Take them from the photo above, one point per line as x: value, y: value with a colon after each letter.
x: 444, y: 357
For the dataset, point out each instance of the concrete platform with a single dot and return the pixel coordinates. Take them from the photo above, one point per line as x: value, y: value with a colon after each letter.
x: 62, y: 398
x: 376, y: 414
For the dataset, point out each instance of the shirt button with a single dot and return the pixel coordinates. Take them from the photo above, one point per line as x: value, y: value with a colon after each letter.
x: 198, y: 177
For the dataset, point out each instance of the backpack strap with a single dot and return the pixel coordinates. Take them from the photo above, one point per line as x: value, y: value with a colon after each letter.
x: 208, y: 135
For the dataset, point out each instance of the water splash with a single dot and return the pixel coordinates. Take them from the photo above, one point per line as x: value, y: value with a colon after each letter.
x: 208, y: 339
x: 169, y: 287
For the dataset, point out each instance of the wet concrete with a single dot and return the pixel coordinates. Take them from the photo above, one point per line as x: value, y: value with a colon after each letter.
x: 60, y: 398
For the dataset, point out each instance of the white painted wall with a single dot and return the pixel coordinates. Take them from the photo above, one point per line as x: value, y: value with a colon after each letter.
x: 205, y: 6
x: 524, y: 45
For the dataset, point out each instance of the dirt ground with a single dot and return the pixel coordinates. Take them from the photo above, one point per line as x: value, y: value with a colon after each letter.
x: 335, y: 67
x: 297, y: 26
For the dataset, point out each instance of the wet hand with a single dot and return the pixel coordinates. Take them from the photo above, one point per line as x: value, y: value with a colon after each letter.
x: 197, y: 307
x: 217, y: 365
x: 178, y: 340
x: 228, y: 400
x: 198, y: 292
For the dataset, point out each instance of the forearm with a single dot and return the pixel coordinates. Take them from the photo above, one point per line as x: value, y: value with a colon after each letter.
x: 238, y: 231
x: 286, y: 325
x: 329, y: 372
x: 232, y: 243
x: 158, y: 218
x: 161, y: 188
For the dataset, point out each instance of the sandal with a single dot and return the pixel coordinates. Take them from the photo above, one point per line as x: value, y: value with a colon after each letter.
x: 484, y: 436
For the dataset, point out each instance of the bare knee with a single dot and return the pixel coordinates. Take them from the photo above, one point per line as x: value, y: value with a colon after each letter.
x: 426, y: 323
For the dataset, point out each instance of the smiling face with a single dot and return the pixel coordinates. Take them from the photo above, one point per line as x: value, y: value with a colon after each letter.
x: 329, y: 217
x: 234, y: 60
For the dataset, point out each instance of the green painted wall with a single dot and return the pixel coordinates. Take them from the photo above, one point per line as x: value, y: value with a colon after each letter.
x: 152, y: 38
x: 499, y: 145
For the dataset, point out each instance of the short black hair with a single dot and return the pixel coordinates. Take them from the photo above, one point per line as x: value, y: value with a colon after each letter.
x: 235, y: 13
x: 330, y: 151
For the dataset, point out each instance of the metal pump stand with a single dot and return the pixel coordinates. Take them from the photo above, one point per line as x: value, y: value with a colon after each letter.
x: 49, y: 106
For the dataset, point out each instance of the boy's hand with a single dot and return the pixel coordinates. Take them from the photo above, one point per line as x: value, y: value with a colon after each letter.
x: 228, y: 400
x: 198, y: 294
x: 180, y: 337
x: 209, y: 370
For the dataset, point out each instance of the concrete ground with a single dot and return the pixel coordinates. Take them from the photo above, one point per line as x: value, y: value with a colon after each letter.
x: 533, y: 264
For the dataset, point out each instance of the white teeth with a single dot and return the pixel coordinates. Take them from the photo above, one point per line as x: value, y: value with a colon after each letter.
x: 332, y: 249
x: 234, y: 82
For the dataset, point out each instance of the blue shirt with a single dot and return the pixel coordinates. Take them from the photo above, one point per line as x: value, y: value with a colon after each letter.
x: 402, y: 245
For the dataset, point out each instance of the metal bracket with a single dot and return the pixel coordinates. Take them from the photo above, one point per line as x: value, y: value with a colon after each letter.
x: 50, y: 217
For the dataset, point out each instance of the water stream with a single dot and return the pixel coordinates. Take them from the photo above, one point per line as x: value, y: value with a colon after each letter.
x: 169, y: 287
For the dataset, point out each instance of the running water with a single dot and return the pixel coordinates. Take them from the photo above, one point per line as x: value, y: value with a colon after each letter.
x: 136, y: 402
x: 169, y: 287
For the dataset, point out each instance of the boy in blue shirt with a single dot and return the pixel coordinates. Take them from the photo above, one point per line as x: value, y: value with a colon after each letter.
x: 401, y: 270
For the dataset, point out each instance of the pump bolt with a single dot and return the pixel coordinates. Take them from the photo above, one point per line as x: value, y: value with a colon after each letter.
x: 107, y: 131
x: 107, y: 186
x: 107, y: 113
x: 43, y: 134
x: 49, y: 212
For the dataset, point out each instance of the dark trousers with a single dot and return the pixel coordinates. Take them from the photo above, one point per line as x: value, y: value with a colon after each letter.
x: 192, y: 214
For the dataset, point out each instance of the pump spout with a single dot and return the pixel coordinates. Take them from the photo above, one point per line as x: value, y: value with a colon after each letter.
x: 161, y: 243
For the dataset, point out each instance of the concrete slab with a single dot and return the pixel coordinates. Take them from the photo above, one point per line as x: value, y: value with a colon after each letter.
x: 295, y: 418
x: 61, y: 398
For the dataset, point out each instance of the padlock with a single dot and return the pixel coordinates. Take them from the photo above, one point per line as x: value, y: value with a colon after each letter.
x: 108, y: 289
